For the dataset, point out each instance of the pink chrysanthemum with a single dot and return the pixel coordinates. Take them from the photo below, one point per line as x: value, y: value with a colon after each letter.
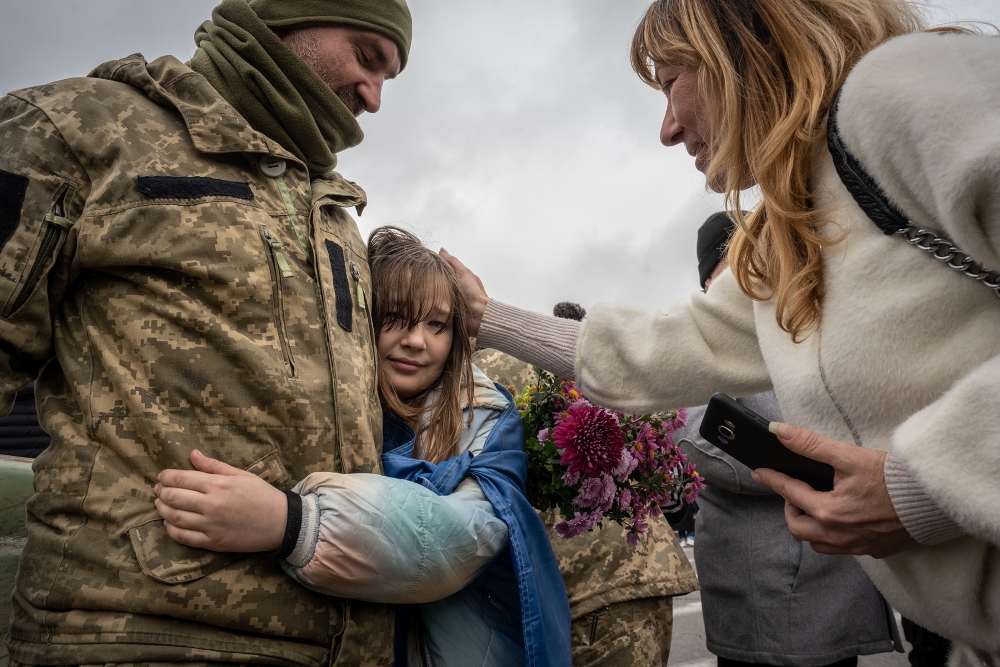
x: 590, y: 439
x: 597, y: 492
x: 626, y: 466
x: 579, y: 524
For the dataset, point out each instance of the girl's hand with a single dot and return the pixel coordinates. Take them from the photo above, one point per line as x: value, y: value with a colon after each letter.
x: 857, y: 516
x: 220, y: 508
x: 475, y: 293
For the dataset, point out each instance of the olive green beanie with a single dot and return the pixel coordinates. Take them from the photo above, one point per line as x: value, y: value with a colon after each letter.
x: 386, y: 17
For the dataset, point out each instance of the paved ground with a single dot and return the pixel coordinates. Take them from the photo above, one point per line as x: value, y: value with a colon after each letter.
x: 687, y: 647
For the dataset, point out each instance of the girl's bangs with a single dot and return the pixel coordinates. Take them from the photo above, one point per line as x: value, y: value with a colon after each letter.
x: 409, y: 294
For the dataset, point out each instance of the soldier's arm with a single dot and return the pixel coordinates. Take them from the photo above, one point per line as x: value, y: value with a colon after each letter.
x: 42, y: 187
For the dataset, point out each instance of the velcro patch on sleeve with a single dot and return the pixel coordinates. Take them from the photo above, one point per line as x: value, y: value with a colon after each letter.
x: 345, y: 303
x: 12, y: 189
x: 192, y: 187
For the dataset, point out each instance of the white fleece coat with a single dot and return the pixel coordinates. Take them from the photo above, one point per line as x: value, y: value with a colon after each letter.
x: 906, y: 356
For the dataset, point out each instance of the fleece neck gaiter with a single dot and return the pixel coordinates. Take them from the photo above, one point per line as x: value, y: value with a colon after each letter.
x: 272, y: 88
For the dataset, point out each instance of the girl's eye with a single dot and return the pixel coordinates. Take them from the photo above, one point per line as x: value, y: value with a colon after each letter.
x: 435, y: 324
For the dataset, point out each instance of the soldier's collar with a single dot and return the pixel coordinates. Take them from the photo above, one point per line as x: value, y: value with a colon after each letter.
x: 213, y: 124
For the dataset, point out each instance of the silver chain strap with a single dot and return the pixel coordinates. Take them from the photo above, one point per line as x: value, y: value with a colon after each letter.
x: 944, y: 251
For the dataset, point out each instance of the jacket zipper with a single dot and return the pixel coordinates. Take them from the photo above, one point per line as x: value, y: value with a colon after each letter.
x: 280, y: 268
x: 56, y: 225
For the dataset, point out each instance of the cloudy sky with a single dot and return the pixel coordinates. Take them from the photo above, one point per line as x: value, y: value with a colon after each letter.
x: 517, y: 137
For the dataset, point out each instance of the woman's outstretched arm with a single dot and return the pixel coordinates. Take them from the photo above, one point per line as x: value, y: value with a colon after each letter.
x: 632, y: 359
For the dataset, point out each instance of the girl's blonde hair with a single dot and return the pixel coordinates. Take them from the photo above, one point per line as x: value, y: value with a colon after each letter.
x: 408, y: 280
x: 767, y: 72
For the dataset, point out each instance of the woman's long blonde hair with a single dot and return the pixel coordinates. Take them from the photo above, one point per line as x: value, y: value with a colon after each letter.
x: 768, y: 71
x: 408, y: 279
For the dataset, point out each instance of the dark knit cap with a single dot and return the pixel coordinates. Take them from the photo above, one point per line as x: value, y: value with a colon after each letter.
x: 712, y: 239
x: 386, y: 17
x: 568, y: 310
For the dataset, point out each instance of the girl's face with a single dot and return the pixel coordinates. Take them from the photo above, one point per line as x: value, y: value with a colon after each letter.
x: 414, y: 358
x: 686, y: 119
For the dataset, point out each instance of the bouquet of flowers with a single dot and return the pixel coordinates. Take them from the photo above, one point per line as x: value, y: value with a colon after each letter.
x: 594, y: 464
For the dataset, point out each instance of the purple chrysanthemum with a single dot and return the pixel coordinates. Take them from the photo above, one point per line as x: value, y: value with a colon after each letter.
x: 597, y: 492
x: 571, y: 478
x: 580, y: 523
x: 626, y: 465
x: 590, y: 440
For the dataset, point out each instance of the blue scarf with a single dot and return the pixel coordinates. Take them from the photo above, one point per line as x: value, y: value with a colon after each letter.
x: 501, y: 469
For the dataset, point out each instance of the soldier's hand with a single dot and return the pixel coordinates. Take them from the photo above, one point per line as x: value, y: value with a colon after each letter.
x: 220, y: 508
x: 475, y: 293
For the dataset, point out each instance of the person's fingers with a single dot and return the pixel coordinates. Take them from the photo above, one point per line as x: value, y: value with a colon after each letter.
x: 183, y: 499
x: 191, y: 538
x: 180, y: 518
x: 815, y: 446
x: 472, y: 286
x: 793, y: 490
x: 214, y: 466
x: 185, y: 479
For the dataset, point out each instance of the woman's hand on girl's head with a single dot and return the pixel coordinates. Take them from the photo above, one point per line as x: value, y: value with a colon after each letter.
x: 857, y: 516
x: 220, y: 508
x: 473, y: 288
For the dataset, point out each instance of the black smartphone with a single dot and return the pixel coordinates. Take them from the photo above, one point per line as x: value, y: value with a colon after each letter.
x: 744, y: 435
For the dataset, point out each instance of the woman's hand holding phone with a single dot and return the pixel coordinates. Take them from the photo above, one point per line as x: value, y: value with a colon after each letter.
x: 857, y: 516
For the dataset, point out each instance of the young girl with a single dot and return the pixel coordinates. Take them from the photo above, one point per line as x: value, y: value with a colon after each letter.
x: 451, y: 540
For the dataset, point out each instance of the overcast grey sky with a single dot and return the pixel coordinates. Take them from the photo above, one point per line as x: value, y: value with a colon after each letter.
x: 518, y: 137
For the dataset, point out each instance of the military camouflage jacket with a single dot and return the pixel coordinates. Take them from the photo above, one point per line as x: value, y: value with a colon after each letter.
x: 180, y: 282
x: 599, y: 568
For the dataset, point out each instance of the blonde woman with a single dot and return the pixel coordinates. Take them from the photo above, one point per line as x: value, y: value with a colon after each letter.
x: 884, y: 358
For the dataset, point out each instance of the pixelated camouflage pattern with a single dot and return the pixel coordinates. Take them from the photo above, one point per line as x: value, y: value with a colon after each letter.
x: 169, y: 328
x: 600, y: 568
x: 509, y: 371
x: 628, y: 634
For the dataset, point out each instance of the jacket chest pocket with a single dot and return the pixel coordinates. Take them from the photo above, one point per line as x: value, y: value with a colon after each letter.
x: 281, y: 270
x: 37, y: 246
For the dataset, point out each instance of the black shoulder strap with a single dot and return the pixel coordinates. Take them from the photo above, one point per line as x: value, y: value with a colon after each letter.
x: 863, y: 188
x: 889, y: 218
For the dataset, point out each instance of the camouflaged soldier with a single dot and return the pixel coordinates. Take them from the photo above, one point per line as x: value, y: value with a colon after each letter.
x: 177, y: 259
x: 620, y: 596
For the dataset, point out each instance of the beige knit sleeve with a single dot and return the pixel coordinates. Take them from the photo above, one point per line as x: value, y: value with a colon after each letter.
x: 923, y: 519
x: 541, y: 340
x: 643, y: 361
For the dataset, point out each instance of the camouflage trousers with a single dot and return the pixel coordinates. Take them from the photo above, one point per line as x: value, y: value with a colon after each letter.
x: 630, y: 633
